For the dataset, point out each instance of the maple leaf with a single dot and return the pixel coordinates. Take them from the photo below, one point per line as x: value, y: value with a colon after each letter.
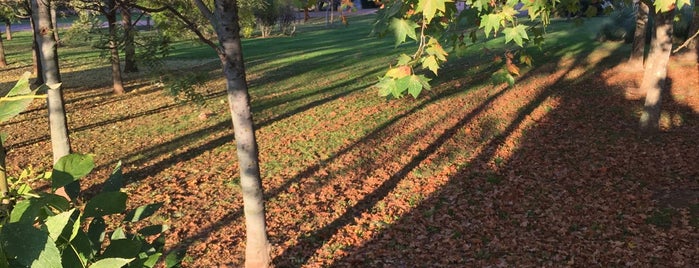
x: 517, y: 33
x: 399, y: 72
x: 429, y: 8
x: 435, y: 49
x: 402, y: 29
x: 490, y: 22
x: 430, y: 62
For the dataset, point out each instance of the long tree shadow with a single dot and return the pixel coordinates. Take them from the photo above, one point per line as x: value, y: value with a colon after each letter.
x: 365, y: 141
x: 579, y: 181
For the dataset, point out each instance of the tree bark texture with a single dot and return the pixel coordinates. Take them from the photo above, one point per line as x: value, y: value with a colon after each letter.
x: 54, y: 22
x: 3, y: 61
x: 8, y: 30
x: 225, y: 20
x: 655, y: 74
x: 48, y: 58
x: 129, y: 47
x: 638, y: 47
x: 117, y: 81
x: 37, y: 68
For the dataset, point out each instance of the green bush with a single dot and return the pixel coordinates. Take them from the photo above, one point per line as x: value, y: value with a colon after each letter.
x: 621, y: 26
x: 40, y: 229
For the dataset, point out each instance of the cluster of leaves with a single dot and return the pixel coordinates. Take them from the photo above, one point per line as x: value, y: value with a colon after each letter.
x: 59, y: 240
x: 432, y: 23
x: 39, y: 229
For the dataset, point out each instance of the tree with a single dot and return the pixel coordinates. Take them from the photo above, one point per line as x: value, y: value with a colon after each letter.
x: 108, y: 8
x: 3, y: 61
x: 129, y: 46
x: 48, y: 57
x: 223, y: 17
x: 638, y: 48
x: 655, y: 72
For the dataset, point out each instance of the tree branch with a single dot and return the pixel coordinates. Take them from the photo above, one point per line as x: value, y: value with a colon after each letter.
x: 686, y: 42
x: 205, y: 11
x: 192, y: 27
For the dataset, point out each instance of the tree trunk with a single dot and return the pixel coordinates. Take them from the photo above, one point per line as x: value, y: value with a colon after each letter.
x: 3, y: 61
x: 655, y: 72
x: 48, y: 57
x: 8, y: 30
x: 306, y: 16
x: 37, y: 68
x: 118, y: 84
x: 129, y: 47
x: 638, y: 48
x: 225, y: 20
x: 54, y: 23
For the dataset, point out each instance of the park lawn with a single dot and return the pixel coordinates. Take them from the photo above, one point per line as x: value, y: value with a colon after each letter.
x: 551, y: 171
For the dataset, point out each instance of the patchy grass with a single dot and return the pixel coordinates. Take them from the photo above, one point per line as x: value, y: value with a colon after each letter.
x: 549, y: 172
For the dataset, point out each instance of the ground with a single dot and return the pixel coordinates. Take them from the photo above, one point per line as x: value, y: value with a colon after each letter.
x: 550, y: 172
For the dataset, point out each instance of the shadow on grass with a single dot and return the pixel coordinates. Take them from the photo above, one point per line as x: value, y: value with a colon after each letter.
x: 580, y: 180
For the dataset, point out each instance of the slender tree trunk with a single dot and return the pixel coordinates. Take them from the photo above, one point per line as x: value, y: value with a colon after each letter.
x: 48, y: 56
x: 225, y: 20
x: 306, y: 16
x: 3, y: 61
x: 8, y: 30
x: 129, y: 47
x: 118, y: 84
x: 639, y: 37
x: 54, y: 22
x: 37, y: 67
x: 655, y: 72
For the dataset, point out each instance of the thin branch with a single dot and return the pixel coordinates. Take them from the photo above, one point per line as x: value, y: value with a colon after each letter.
x: 205, y: 11
x: 184, y: 20
x: 686, y: 42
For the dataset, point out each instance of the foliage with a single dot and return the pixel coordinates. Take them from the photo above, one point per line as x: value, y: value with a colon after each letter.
x: 46, y: 230
x: 41, y: 229
x: 433, y: 24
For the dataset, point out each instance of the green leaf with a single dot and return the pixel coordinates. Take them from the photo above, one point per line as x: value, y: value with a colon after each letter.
x: 664, y: 5
x: 404, y: 59
x: 429, y: 8
x: 79, y: 251
x: 490, y: 22
x: 122, y: 248
x: 25, y: 211
x: 435, y: 48
x: 402, y: 28
x: 142, y: 212
x: 401, y: 86
x: 115, y: 180
x: 517, y: 33
x: 71, y: 168
x: 386, y: 85
x: 11, y: 108
x: 57, y: 223
x: 153, y: 230
x: 118, y: 234
x: 174, y: 258
x: 96, y: 232
x: 111, y: 263
x: 414, y: 86
x: 29, y: 246
x: 430, y: 62
x: 55, y: 201
x: 106, y: 203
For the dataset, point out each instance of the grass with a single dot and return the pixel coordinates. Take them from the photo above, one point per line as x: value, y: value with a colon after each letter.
x: 333, y: 154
